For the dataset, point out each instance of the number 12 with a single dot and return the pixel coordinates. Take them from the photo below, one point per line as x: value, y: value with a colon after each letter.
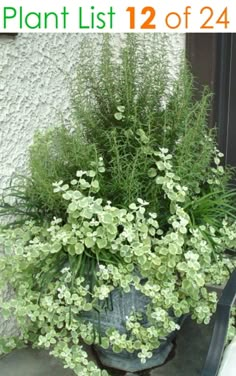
x: 150, y: 11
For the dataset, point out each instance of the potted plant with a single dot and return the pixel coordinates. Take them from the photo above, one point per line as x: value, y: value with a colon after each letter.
x: 121, y: 242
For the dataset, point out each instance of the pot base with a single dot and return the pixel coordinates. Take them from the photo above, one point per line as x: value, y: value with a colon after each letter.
x: 130, y: 362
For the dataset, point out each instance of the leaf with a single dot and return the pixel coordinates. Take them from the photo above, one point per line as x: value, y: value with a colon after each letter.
x: 74, y: 182
x: 130, y: 217
x: 84, y: 202
x: 137, y: 344
x: 143, y: 137
x: 79, y: 248
x: 72, y: 207
x: 111, y: 228
x: 76, y: 214
x: 95, y: 184
x: 86, y: 213
x: 118, y: 116
x: 56, y: 247
x: 66, y: 196
x: 79, y: 173
x: 105, y: 343
x: 89, y: 242
x: 87, y: 307
x: 152, y: 231
x: 116, y: 349
x: 121, y: 108
x: 160, y: 180
x: 91, y: 173
x: 102, y: 243
x: 101, y: 169
x: 152, y: 172
x: 107, y: 218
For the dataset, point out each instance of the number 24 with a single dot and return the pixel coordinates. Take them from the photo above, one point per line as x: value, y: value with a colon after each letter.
x: 223, y: 19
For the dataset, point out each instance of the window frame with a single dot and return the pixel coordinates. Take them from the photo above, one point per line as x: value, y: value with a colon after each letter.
x: 212, y: 57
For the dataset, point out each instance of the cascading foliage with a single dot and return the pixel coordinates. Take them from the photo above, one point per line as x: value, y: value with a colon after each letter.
x: 47, y: 267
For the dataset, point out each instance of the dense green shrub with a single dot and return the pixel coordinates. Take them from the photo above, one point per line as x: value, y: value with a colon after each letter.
x: 132, y: 104
x: 54, y: 155
x: 126, y: 103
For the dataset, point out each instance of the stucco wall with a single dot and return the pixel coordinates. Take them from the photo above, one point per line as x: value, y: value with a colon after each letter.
x: 36, y: 71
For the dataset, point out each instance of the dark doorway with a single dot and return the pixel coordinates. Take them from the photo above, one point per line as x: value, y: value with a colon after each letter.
x: 213, y: 60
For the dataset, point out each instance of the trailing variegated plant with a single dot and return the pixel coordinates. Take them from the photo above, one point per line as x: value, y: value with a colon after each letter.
x: 61, y: 270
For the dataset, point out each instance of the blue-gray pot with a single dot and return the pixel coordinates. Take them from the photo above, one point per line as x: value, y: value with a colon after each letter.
x: 123, y: 305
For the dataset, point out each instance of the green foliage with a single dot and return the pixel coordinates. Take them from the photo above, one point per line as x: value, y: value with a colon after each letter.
x: 135, y: 191
x: 61, y: 270
x: 125, y: 106
x: 133, y: 105
x: 55, y: 154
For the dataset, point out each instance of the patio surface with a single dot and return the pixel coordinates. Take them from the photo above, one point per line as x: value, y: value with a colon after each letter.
x: 190, y: 352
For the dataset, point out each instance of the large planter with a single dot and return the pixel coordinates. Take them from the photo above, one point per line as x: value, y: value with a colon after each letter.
x: 123, y: 305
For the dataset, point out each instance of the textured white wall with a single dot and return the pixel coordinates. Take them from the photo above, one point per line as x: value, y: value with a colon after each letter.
x: 36, y: 71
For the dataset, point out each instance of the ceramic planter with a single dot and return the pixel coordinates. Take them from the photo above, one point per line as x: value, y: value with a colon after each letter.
x: 123, y: 305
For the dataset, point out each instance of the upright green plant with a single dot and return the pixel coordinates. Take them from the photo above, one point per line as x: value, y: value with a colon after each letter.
x: 133, y: 106
x: 126, y: 104
x: 54, y: 155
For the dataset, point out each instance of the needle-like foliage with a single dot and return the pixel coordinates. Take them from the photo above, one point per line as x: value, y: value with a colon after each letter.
x: 128, y: 100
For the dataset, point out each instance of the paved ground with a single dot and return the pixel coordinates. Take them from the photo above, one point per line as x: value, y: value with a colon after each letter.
x: 190, y: 352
